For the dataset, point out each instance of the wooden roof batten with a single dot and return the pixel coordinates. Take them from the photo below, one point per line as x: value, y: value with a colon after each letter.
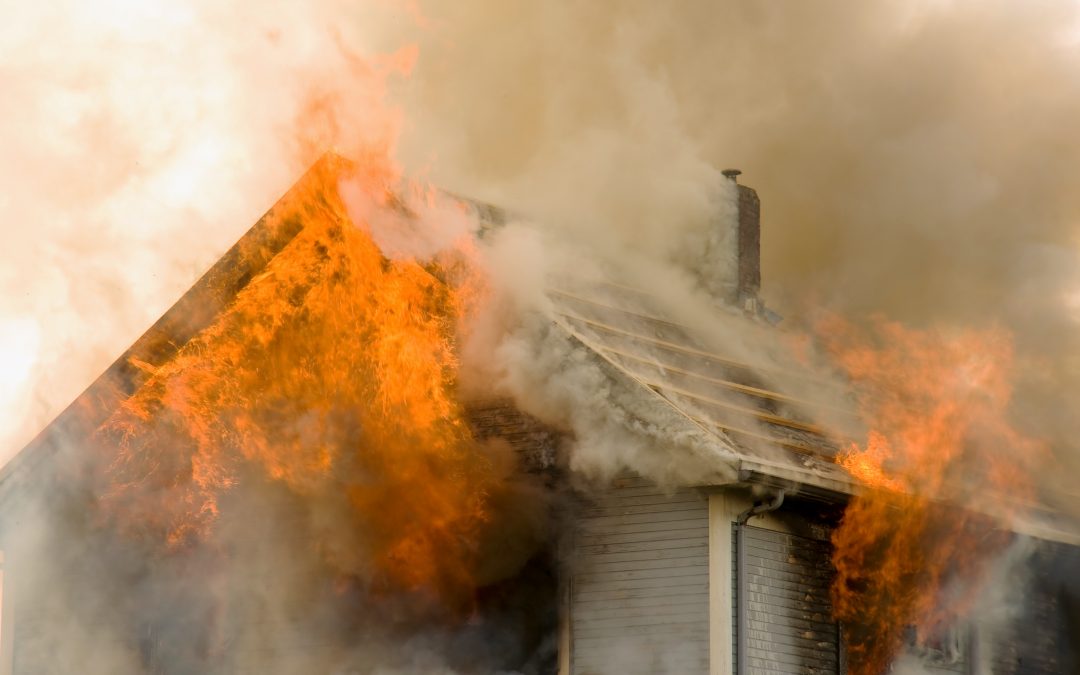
x: 663, y: 344
x: 832, y: 478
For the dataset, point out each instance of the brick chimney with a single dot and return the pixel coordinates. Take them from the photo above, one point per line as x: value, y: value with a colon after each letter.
x: 748, y: 245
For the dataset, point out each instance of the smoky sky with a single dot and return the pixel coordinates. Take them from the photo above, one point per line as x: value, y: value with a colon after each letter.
x: 914, y: 159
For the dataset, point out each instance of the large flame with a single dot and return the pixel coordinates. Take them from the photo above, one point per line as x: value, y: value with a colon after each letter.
x: 939, y: 458
x: 331, y: 373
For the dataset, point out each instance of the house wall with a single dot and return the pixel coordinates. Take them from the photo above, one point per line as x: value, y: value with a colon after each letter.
x: 654, y: 586
x: 1040, y: 636
x: 783, y: 582
x: 639, y: 586
x: 784, y: 608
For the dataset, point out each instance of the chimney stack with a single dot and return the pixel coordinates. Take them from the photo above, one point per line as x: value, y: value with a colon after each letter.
x: 748, y: 244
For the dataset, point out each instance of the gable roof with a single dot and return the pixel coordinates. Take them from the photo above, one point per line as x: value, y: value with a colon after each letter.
x: 764, y: 431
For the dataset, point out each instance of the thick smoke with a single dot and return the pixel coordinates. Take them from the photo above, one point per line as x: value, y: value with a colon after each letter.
x: 879, y: 135
x: 914, y: 159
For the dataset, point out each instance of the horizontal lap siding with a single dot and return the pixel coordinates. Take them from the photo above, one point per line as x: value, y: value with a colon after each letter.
x: 640, y: 589
x: 785, y: 605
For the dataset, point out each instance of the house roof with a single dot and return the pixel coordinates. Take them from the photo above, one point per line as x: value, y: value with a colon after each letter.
x: 767, y: 429
x: 759, y: 418
x: 782, y: 425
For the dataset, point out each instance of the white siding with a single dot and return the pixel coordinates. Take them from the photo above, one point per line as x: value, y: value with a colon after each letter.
x: 784, y: 610
x: 640, y: 587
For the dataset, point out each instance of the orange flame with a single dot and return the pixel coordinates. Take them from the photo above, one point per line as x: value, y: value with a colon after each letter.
x: 331, y: 373
x: 940, y: 455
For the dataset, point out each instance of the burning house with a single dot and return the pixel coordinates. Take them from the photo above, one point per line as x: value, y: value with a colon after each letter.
x: 387, y: 524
